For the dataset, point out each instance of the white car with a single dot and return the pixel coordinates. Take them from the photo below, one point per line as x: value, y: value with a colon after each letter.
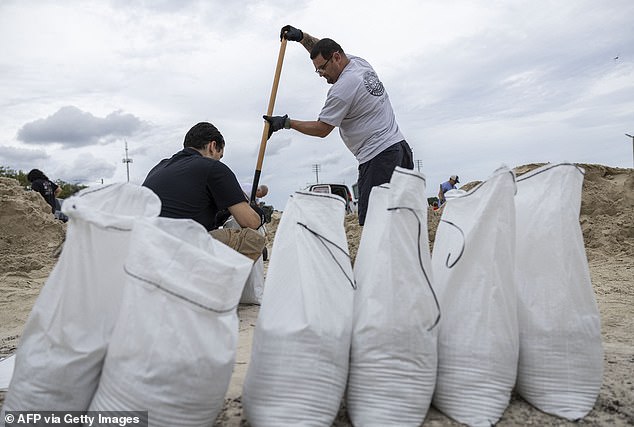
x: 340, y: 190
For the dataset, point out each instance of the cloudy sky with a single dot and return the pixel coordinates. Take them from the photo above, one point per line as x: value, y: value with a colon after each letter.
x: 474, y: 83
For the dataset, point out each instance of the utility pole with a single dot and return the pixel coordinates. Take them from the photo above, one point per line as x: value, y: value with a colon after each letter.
x: 419, y: 164
x: 630, y: 136
x: 127, y: 160
x: 316, y: 169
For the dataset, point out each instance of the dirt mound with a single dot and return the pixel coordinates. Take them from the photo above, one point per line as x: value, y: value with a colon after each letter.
x: 607, y: 212
x: 29, y: 233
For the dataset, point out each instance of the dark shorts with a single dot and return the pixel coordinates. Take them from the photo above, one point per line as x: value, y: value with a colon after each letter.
x: 379, y: 171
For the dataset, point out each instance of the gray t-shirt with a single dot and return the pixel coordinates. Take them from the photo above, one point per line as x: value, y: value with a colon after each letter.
x: 360, y: 107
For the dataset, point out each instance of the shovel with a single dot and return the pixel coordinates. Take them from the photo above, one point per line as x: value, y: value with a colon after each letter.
x: 269, y: 112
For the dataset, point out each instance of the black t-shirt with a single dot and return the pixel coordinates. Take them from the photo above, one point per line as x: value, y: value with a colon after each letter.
x: 192, y: 186
x: 47, y: 189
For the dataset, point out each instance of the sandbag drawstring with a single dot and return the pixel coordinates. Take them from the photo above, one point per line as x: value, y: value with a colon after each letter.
x: 420, y: 262
x: 461, y: 249
x: 322, y: 239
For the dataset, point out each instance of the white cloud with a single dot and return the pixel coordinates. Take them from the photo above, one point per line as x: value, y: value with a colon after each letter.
x: 85, y: 168
x: 72, y: 127
x: 22, y: 158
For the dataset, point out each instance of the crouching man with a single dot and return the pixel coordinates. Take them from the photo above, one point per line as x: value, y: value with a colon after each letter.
x: 195, y: 184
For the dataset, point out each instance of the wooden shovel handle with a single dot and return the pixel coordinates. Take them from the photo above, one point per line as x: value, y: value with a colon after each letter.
x: 269, y: 112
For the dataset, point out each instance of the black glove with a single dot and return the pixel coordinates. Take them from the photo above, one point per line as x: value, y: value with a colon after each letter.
x: 291, y: 33
x: 260, y: 212
x: 277, y: 123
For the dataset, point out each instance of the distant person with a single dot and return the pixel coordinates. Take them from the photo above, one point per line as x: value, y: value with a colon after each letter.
x: 358, y: 104
x: 47, y: 188
x: 195, y: 184
x: 446, y: 186
x: 261, y: 192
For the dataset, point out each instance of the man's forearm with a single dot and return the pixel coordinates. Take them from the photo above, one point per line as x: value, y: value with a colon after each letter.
x: 309, y: 41
x: 312, y: 128
x: 244, y: 215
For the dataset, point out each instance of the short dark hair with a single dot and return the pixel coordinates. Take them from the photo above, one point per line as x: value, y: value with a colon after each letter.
x: 201, y: 134
x: 36, y: 174
x: 325, y: 48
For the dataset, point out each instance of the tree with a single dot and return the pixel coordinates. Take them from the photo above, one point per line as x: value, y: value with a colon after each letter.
x: 68, y: 189
x: 20, y: 176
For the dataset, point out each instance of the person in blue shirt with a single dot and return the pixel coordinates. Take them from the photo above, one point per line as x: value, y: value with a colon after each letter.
x: 446, y: 186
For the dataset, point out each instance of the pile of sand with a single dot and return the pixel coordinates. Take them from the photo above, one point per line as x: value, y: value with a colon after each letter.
x: 607, y: 212
x: 29, y: 233
x: 29, y: 236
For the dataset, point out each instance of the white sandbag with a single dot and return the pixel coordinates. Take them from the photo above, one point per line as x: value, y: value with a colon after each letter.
x: 254, y: 286
x: 452, y: 194
x: 393, y: 354
x: 7, y: 365
x: 174, y: 345
x: 473, y: 268
x: 561, y: 355
x: 61, y: 351
x: 299, y: 360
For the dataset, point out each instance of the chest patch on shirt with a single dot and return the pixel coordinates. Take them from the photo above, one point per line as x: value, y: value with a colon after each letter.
x: 373, y: 84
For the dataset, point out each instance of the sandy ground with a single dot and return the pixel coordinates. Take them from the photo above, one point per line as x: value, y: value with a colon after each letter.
x: 29, y: 236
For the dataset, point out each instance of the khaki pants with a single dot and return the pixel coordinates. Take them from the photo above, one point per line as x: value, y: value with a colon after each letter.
x: 248, y: 242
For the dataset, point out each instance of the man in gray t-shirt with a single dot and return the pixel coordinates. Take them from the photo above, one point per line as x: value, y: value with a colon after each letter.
x: 359, y: 106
